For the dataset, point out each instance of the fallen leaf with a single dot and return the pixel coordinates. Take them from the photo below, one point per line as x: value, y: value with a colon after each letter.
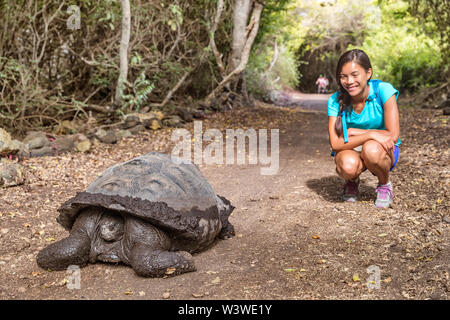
x: 290, y: 269
x: 166, y: 295
x: 382, y: 235
x: 128, y: 292
x: 170, y: 271
x: 141, y: 293
x: 197, y: 295
x: 387, y: 280
x: 216, y: 281
x: 212, y: 272
x: 316, y: 237
x: 356, y: 278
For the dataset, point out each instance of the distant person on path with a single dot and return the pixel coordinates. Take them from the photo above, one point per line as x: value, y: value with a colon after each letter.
x: 363, y: 127
x: 320, y: 82
x: 325, y: 84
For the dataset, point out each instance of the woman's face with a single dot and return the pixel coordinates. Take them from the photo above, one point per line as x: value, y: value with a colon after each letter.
x: 354, y: 78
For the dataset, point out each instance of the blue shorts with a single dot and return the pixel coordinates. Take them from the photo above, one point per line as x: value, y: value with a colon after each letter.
x: 396, y: 155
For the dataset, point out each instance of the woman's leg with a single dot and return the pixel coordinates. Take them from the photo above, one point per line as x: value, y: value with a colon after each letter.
x: 377, y: 160
x: 349, y: 164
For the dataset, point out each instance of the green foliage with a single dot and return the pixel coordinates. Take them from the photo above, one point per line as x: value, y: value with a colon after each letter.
x: 260, y: 80
x: 399, y: 50
x: 142, y: 88
x: 278, y: 23
x: 434, y: 16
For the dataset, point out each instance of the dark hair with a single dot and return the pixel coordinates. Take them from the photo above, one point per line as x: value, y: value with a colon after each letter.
x: 361, y: 58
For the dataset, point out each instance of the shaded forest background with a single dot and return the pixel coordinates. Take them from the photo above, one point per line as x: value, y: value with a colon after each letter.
x: 181, y: 51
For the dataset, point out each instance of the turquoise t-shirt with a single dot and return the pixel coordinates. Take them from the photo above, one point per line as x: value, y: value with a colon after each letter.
x: 372, y: 115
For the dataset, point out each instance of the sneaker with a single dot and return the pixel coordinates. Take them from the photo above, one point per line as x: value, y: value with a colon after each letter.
x: 351, y: 191
x: 385, y: 196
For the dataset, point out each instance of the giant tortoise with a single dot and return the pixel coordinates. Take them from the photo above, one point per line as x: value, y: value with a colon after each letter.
x: 150, y: 212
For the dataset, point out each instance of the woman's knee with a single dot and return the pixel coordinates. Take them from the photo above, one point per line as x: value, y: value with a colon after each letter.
x: 372, y: 152
x: 347, y: 166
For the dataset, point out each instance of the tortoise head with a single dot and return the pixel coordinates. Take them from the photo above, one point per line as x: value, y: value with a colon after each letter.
x: 111, y: 227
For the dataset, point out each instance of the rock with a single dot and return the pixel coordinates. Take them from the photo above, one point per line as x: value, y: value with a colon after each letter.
x: 77, y: 137
x: 5, y: 139
x: 198, y: 114
x: 446, y: 111
x: 109, y: 136
x: 130, y: 121
x: 159, y: 115
x: 173, y: 121
x: 62, y: 144
x: 155, y: 125
x: 7, y: 145
x: 184, y: 114
x: 83, y: 146
x: 124, y: 133
x: 446, y: 219
x: 36, y: 140
x: 11, y: 173
x: 40, y: 152
x: 147, y: 119
x: 136, y: 129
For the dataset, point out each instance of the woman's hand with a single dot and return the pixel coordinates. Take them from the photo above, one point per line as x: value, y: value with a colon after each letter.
x: 384, y: 138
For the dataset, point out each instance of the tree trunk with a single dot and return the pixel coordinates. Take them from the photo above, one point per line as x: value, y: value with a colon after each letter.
x: 240, y: 19
x: 124, y: 41
x: 249, y: 34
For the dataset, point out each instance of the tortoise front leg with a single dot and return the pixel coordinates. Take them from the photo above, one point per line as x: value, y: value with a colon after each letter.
x: 75, y: 249
x: 148, y: 262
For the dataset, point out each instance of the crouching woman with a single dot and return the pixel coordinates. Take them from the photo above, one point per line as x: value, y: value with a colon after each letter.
x: 363, y: 127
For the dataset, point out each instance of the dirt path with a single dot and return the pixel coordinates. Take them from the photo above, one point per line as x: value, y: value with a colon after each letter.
x: 294, y: 238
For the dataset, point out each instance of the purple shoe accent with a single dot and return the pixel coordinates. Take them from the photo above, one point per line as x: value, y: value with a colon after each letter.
x: 385, y: 196
x: 351, y: 191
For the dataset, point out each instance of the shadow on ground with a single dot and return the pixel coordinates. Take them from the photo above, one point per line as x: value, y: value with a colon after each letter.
x: 330, y: 189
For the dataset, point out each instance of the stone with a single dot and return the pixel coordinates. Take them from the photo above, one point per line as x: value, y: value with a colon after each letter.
x: 124, y: 133
x: 130, y: 121
x: 104, y: 136
x: 5, y: 139
x: 446, y: 111
x: 184, y: 114
x: 83, y: 146
x: 173, y: 121
x: 8, y: 146
x: 63, y: 144
x: 155, y: 125
x: 136, y: 129
x: 11, y: 173
x: 36, y: 140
